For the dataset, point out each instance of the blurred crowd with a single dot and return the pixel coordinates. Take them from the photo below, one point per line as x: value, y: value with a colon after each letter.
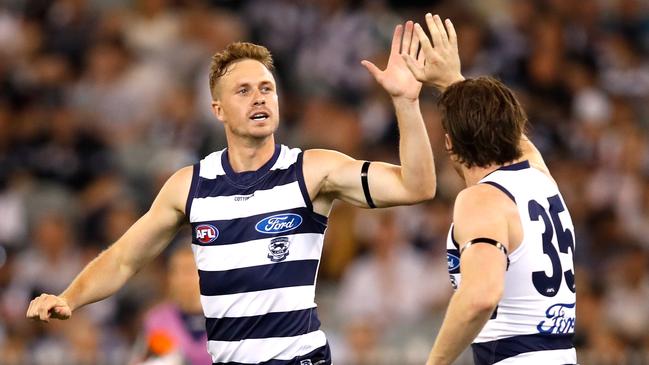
x: 101, y: 100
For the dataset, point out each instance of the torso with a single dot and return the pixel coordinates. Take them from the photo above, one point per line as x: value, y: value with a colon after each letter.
x: 257, y: 242
x: 535, y: 318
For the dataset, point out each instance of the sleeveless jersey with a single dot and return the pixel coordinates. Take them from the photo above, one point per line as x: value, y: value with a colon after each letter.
x: 535, y: 319
x: 257, y: 244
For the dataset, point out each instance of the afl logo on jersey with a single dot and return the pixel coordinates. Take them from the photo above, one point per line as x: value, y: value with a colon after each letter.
x: 278, y: 223
x: 453, y: 262
x: 206, y: 233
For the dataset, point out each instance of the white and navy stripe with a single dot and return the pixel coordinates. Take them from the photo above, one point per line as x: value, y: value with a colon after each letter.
x: 516, y: 349
x: 259, y: 309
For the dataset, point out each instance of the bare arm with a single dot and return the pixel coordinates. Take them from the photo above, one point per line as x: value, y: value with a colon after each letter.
x: 482, y: 266
x: 109, y: 271
x: 411, y: 182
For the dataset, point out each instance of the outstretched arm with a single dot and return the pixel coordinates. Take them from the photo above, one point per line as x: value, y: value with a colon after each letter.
x: 414, y: 180
x: 109, y: 271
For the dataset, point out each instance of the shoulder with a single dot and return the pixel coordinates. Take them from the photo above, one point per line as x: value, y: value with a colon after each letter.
x: 325, y: 159
x: 323, y: 155
x: 176, y: 189
x: 182, y: 177
x: 483, y: 200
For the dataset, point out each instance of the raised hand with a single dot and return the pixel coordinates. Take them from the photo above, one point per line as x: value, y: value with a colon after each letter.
x: 47, y: 306
x: 442, y: 60
x: 397, y: 79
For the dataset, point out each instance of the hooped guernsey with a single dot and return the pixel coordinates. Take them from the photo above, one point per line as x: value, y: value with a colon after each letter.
x: 257, y: 244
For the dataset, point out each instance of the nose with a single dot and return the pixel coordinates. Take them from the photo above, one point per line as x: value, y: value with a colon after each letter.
x: 259, y: 99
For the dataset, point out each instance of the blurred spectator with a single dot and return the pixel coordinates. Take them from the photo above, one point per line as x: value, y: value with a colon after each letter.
x: 389, y: 286
x: 177, y: 326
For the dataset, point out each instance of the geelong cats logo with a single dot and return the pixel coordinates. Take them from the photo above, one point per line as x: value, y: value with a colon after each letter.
x: 278, y: 249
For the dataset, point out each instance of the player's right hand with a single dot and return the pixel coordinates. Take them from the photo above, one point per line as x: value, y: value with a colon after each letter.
x: 442, y: 60
x: 47, y: 306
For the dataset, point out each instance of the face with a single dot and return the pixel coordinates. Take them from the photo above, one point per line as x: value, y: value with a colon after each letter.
x: 247, y: 101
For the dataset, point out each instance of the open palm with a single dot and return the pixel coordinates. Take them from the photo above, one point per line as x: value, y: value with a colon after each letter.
x: 397, y: 79
x: 442, y: 67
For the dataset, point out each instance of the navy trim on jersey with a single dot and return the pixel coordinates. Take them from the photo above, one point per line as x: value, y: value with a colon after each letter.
x: 299, y: 173
x: 263, y: 277
x: 219, y: 188
x: 276, y: 324
x: 491, y: 352
x: 247, y: 178
x: 501, y: 188
x: 233, y: 231
x: 515, y: 167
x: 319, y: 356
x: 192, y: 188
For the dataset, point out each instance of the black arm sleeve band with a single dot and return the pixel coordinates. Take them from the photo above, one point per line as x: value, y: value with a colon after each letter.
x: 488, y: 241
x: 366, y: 186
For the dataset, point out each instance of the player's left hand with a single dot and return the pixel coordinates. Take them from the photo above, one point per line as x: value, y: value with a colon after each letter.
x: 397, y: 79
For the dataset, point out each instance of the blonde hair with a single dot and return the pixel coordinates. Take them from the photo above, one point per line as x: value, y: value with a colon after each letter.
x: 235, y: 52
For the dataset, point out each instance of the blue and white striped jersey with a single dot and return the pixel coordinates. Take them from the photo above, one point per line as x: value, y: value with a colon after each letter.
x: 535, y: 319
x: 257, y: 244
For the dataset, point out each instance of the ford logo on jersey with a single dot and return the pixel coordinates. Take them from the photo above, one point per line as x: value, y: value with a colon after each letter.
x: 560, y: 319
x: 279, y: 223
x: 206, y: 233
x: 453, y: 261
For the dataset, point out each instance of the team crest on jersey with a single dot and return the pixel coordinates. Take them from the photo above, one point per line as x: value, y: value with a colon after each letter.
x: 279, y: 223
x: 278, y: 249
x: 306, y: 362
x: 206, y: 233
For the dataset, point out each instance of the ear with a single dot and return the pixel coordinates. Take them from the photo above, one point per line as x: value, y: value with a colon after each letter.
x: 217, y: 110
x: 447, y: 142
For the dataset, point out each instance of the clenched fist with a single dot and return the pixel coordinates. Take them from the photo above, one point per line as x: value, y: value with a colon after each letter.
x: 47, y: 306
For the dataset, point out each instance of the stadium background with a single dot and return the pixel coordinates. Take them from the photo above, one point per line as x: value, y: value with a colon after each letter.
x: 102, y: 99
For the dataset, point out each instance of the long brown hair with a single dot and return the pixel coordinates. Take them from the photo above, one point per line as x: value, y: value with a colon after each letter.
x: 484, y: 121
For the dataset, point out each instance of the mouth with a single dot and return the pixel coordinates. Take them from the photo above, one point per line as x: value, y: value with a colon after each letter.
x: 259, y: 116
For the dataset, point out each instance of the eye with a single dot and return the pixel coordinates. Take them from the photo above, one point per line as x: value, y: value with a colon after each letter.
x: 242, y: 91
x: 266, y: 89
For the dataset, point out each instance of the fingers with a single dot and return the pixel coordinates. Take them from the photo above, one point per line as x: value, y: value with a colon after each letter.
x: 61, y: 312
x: 440, y: 28
x: 396, y: 39
x: 373, y: 70
x: 414, y: 46
x: 421, y: 59
x: 434, y: 32
x: 48, y: 306
x: 452, y: 36
x: 415, y: 67
x: 426, y: 47
x: 407, y: 37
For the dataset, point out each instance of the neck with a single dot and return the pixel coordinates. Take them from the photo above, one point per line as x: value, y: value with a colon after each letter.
x: 474, y: 174
x: 252, y: 155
